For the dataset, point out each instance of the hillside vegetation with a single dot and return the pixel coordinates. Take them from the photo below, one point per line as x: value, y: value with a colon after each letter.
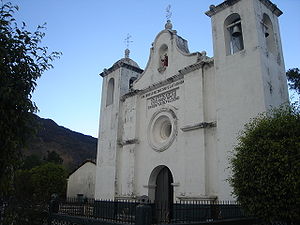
x: 72, y: 147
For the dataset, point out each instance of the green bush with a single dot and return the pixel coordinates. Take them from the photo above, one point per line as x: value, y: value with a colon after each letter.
x: 33, y: 188
x: 266, y: 166
x: 47, y: 179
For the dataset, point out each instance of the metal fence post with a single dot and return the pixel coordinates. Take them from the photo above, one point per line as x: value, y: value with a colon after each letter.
x: 53, y: 207
x: 143, y: 212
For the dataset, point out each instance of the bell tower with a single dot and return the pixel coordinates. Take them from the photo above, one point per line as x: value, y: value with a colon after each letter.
x: 249, y: 70
x: 117, y: 81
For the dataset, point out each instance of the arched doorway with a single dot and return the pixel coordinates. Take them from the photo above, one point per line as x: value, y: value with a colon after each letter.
x: 163, y: 196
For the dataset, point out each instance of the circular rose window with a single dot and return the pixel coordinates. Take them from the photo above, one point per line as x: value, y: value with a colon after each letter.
x: 162, y: 129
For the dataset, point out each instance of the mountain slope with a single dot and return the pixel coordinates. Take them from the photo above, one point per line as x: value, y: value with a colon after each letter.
x: 72, y: 146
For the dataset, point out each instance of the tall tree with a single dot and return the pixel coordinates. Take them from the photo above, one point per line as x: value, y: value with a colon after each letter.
x: 293, y: 76
x: 22, y: 62
x: 266, y: 166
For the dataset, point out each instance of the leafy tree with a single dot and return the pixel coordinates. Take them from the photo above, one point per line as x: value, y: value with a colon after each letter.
x: 22, y: 62
x: 31, y: 161
x: 47, y: 179
x: 33, y: 188
x: 266, y: 166
x: 293, y: 76
x: 53, y: 157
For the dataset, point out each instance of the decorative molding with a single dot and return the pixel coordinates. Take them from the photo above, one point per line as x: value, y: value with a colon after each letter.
x: 128, y: 142
x: 150, y: 186
x: 129, y: 94
x: 198, y: 198
x: 162, y: 145
x: 215, y: 9
x: 175, y: 184
x: 125, y: 197
x: 272, y: 7
x: 118, y: 65
x: 162, y: 83
x: 190, y: 68
x: 199, y: 126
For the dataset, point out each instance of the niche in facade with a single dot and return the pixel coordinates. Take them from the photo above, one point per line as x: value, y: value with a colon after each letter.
x: 268, y: 32
x: 233, y: 34
x: 163, y: 58
x: 110, y: 92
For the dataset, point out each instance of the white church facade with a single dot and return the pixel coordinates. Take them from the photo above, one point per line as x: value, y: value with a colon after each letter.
x: 167, y: 131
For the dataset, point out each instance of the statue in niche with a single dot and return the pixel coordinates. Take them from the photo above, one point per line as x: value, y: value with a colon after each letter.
x: 163, y: 62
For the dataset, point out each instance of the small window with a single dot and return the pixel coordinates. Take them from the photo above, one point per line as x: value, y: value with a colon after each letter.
x: 233, y: 34
x: 268, y: 33
x: 131, y: 80
x: 110, y: 92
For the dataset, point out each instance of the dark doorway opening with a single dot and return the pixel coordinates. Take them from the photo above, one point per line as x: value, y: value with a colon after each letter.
x: 164, y: 195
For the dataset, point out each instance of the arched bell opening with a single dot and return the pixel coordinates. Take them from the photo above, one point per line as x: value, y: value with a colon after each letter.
x: 268, y: 32
x: 233, y: 34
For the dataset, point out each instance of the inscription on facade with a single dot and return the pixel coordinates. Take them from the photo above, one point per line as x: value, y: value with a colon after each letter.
x: 162, y: 95
x: 163, y: 98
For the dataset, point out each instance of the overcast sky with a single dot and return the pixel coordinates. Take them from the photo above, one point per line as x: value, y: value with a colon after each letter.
x: 91, y: 33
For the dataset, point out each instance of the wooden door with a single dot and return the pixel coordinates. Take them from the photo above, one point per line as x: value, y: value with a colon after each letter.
x: 164, y: 196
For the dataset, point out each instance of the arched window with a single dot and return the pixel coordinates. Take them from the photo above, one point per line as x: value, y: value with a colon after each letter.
x: 131, y: 80
x: 233, y: 34
x: 268, y: 31
x: 110, y: 92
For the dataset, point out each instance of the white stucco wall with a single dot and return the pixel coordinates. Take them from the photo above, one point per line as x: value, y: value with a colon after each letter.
x: 82, y: 181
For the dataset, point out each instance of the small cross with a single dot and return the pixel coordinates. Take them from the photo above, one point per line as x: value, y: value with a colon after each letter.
x: 168, y: 12
x: 128, y: 40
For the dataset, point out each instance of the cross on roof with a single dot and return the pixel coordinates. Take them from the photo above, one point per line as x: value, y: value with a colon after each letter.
x: 128, y: 40
x: 168, y: 12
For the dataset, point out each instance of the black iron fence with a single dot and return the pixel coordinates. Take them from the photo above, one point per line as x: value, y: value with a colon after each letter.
x: 161, y: 213
x: 207, y: 210
x: 195, y: 211
x: 126, y: 212
x: 118, y: 211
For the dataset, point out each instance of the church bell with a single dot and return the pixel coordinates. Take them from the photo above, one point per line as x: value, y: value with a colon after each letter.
x: 266, y: 32
x: 236, y: 31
